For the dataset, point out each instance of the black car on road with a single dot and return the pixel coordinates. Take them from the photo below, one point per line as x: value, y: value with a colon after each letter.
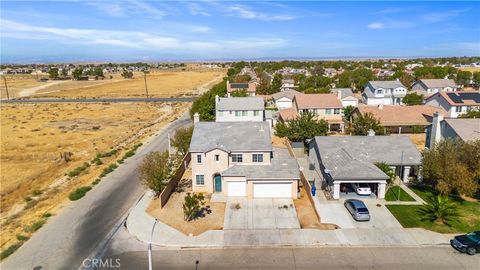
x: 467, y: 243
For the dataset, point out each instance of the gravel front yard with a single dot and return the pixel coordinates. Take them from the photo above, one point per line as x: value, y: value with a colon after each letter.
x: 172, y: 213
x: 306, y: 214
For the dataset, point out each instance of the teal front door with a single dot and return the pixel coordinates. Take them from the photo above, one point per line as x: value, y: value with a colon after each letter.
x: 218, y: 183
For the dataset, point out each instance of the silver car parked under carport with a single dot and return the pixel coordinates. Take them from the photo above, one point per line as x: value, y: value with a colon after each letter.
x: 357, y: 209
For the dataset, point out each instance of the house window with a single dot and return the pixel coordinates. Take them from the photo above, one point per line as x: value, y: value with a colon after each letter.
x: 328, y: 111
x: 217, y: 158
x: 336, y: 111
x: 257, y: 157
x: 244, y: 113
x: 379, y: 92
x: 237, y: 158
x: 200, y: 179
x: 199, y: 158
x: 458, y: 109
x: 238, y: 113
x: 256, y: 113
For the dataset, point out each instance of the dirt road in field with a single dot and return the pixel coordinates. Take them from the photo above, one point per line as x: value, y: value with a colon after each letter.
x: 32, y: 90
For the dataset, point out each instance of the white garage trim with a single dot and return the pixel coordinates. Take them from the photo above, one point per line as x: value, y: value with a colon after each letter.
x: 236, y: 188
x: 272, y: 190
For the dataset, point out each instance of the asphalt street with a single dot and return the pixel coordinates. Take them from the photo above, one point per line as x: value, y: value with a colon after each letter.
x: 97, y: 100
x: 408, y: 258
x: 78, y: 230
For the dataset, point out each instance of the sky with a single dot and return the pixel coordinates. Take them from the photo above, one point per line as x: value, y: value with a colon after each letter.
x: 82, y: 31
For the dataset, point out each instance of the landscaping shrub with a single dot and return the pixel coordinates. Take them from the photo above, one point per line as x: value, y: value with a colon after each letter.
x: 35, y: 226
x: 108, y: 154
x: 46, y: 215
x: 129, y: 154
x: 77, y: 171
x: 7, y: 252
x: 109, y: 169
x: 21, y: 237
x: 36, y: 192
x: 28, y: 198
x: 79, y: 193
x: 192, y: 205
x: 96, y: 181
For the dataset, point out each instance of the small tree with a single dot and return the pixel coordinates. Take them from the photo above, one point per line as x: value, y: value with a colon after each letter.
x: 304, y: 127
x: 348, y: 112
x: 463, y: 77
x: 155, y: 171
x: 192, y: 205
x: 64, y: 72
x: 127, y: 74
x: 387, y: 170
x: 470, y: 114
x: 364, y: 122
x: 439, y: 209
x: 53, y: 73
x: 239, y: 93
x: 181, y: 140
x: 276, y: 83
x: 77, y: 73
x: 413, y: 99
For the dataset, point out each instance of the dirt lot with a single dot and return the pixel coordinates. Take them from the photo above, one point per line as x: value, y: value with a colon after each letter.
x: 307, y: 216
x: 417, y: 139
x: 471, y: 69
x: 172, y: 213
x: 34, y: 177
x: 279, y: 142
x: 159, y: 84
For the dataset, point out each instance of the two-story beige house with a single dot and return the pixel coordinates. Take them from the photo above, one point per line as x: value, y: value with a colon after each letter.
x: 325, y: 106
x: 237, y: 159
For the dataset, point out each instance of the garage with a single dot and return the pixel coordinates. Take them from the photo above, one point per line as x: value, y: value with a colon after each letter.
x: 272, y: 190
x: 236, y: 189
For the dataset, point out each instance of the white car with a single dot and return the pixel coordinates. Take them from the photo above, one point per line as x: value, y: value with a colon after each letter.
x: 362, y: 189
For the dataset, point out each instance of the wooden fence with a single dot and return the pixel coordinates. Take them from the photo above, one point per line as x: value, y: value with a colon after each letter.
x: 172, y: 184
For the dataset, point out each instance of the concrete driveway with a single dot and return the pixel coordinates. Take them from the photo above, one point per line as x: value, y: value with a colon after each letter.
x: 241, y: 213
x: 335, y: 212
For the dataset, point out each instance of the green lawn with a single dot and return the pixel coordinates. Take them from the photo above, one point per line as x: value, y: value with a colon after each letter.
x: 392, y: 195
x: 409, y: 216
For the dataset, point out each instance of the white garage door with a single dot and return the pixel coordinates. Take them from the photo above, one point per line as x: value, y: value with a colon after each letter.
x: 236, y: 188
x: 265, y: 190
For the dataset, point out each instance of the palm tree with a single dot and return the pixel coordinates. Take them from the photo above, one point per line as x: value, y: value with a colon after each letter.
x: 439, y: 209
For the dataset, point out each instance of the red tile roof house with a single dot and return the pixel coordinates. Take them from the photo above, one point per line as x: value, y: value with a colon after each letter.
x: 325, y: 106
x: 250, y: 87
x: 401, y: 119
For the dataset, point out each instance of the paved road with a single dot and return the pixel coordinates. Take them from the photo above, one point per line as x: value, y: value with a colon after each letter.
x: 97, y: 100
x: 407, y: 258
x: 78, y: 230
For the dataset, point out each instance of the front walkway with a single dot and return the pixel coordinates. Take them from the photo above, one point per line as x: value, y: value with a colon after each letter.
x: 242, y: 213
x: 139, y: 224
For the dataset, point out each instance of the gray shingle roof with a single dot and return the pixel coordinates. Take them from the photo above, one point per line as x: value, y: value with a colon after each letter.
x: 438, y: 83
x: 373, y: 149
x: 342, y: 165
x: 289, y: 93
x: 240, y: 103
x: 466, y: 129
x: 346, y: 92
x: 282, y: 167
x: 386, y: 84
x: 231, y: 136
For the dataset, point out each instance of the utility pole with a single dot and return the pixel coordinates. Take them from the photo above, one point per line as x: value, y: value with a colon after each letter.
x: 6, y: 87
x: 145, y: 79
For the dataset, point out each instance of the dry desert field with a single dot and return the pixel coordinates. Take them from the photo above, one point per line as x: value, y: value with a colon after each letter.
x: 471, y: 69
x: 159, y: 84
x: 34, y: 137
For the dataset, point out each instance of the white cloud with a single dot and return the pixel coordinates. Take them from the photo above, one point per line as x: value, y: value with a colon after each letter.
x: 127, y: 7
x: 376, y: 25
x: 442, y: 16
x: 134, y: 39
x: 195, y: 9
x: 244, y: 12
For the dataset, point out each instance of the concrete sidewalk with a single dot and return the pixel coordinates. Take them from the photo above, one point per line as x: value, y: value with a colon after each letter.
x: 139, y: 224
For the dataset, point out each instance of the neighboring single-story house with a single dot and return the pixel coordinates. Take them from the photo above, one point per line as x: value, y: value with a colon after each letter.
x: 401, y: 119
x: 284, y: 99
x: 351, y: 159
x: 428, y: 87
x: 239, y: 109
x: 455, y: 103
x: 237, y: 159
x: 346, y: 96
x: 465, y: 129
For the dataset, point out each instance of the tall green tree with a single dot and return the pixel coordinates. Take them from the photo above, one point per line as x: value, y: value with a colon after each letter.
x: 155, y: 171
x: 53, y: 73
x: 452, y: 166
x: 364, y: 122
x: 463, y: 77
x: 181, y: 140
x: 77, y: 73
x: 348, y: 112
x: 305, y: 126
x: 205, y: 104
x: 413, y: 98
x: 476, y: 79
x: 276, y: 83
x: 99, y: 71
x: 64, y: 72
